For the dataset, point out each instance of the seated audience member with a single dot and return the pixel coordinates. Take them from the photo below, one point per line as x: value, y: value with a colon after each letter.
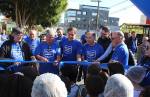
x: 115, y: 68
x: 71, y: 73
x: 15, y: 85
x: 29, y: 72
x: 96, y: 70
x: 118, y: 86
x: 104, y: 76
x: 93, y: 70
x: 136, y: 74
x: 95, y: 86
x: 67, y: 82
x: 145, y: 92
x: 48, y: 85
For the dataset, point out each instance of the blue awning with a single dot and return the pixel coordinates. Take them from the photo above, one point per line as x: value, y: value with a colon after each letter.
x: 143, y: 5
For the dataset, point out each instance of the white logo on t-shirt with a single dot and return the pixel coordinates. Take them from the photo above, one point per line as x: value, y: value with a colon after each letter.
x: 48, y: 53
x: 91, y: 54
x: 67, y: 49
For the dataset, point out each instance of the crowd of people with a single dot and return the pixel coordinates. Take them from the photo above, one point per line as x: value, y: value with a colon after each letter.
x: 114, y: 72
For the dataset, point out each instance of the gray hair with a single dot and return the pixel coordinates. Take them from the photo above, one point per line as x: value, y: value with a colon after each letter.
x: 120, y: 34
x: 118, y: 86
x: 48, y: 85
x: 50, y: 31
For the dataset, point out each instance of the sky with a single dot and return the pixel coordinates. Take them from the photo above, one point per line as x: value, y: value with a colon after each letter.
x: 123, y: 9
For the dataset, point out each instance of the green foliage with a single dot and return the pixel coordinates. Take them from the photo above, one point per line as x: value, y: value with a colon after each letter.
x: 33, y: 12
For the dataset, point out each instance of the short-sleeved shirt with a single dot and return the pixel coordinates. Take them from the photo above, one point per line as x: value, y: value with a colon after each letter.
x: 91, y: 53
x: 50, y: 52
x: 16, y: 52
x: 70, y: 49
x: 121, y: 54
x: 33, y: 43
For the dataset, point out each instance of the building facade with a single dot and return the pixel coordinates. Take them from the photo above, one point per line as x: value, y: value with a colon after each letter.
x: 86, y: 17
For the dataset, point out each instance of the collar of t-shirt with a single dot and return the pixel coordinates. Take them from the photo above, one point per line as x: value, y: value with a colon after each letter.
x: 118, y: 45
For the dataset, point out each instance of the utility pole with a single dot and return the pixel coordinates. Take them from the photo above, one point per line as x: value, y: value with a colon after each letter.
x: 98, y: 16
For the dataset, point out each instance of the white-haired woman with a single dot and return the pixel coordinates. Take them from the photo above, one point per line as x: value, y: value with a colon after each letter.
x: 48, y: 85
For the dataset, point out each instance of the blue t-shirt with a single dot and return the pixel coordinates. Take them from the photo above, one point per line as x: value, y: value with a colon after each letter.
x: 32, y: 43
x: 70, y: 49
x: 50, y: 52
x: 91, y: 53
x: 16, y: 52
x: 133, y: 45
x: 121, y: 54
x: 83, y: 40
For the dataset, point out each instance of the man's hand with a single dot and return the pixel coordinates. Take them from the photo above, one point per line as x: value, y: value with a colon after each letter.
x: 17, y: 63
x: 56, y: 63
x: 97, y: 61
x: 44, y: 59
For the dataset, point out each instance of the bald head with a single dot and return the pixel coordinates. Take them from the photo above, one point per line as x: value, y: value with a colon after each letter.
x: 90, y: 38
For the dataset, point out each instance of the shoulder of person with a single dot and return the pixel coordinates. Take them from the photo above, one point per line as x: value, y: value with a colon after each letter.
x: 7, y: 42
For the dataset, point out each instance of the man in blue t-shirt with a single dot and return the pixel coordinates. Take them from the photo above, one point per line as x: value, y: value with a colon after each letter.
x: 48, y: 51
x: 71, y: 49
x: 91, y: 50
x: 121, y: 53
x: 60, y: 35
x: 32, y: 40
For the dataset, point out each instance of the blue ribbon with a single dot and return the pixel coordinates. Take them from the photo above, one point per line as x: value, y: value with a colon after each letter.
x: 61, y: 63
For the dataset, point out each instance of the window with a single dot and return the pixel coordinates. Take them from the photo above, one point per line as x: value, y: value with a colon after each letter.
x: 71, y: 13
x: 94, y: 14
x: 78, y: 12
x: 78, y: 19
x: 70, y: 19
x: 84, y: 13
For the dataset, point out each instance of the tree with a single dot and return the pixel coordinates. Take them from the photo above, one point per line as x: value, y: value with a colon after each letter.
x: 33, y: 12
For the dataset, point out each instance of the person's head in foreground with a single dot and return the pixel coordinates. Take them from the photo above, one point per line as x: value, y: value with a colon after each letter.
x: 145, y: 92
x: 136, y: 74
x: 48, y: 85
x: 93, y: 69
x: 115, y: 68
x: 118, y: 86
x: 94, y: 85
